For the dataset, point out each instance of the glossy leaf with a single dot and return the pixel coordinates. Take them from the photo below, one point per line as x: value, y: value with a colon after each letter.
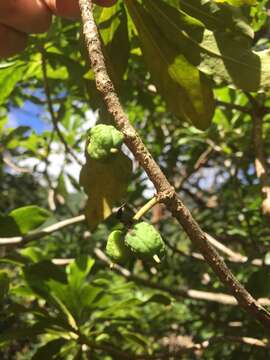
x: 9, y: 77
x: 184, y: 88
x: 22, y: 220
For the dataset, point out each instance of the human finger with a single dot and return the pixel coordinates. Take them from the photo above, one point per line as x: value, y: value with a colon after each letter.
x: 11, y: 41
x: 28, y: 16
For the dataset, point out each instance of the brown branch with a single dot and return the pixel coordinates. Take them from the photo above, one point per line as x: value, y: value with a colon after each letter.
x: 155, y: 174
x: 54, y: 119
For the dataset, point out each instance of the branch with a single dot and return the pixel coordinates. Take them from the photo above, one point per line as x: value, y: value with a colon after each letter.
x: 47, y: 91
x: 183, y: 347
x: 17, y: 240
x: 155, y: 174
x: 231, y: 106
x: 8, y: 161
x: 182, y: 293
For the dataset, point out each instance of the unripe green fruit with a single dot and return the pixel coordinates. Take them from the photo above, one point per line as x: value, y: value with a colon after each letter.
x: 116, y: 248
x: 145, y: 241
x: 104, y: 142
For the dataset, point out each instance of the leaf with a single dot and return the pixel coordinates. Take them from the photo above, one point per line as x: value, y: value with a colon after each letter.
x: 105, y: 183
x: 185, y: 89
x: 226, y: 52
x: 217, y: 17
x: 9, y: 78
x: 4, y: 285
x: 20, y: 333
x: 159, y: 299
x: 78, y: 270
x: 114, y: 34
x: 50, y: 282
x: 22, y: 220
x: 49, y: 350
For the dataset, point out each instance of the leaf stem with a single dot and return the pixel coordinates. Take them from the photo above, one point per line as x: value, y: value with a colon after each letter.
x: 140, y: 213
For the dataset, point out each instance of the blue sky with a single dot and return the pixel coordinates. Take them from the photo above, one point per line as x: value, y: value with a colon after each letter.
x: 28, y: 115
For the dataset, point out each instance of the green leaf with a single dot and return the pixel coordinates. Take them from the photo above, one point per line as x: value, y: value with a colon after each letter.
x: 9, y: 78
x: 22, y: 220
x: 114, y: 34
x: 49, y: 350
x: 50, y: 282
x: 217, y: 17
x: 105, y: 183
x: 78, y: 270
x: 185, y: 89
x: 225, y: 55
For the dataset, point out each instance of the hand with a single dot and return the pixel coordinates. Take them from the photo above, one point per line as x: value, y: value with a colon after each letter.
x: 21, y: 17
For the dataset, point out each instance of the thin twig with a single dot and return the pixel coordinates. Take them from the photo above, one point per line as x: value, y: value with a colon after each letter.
x: 228, y: 339
x: 232, y: 106
x: 17, y: 240
x: 8, y: 161
x: 155, y: 174
x: 47, y: 91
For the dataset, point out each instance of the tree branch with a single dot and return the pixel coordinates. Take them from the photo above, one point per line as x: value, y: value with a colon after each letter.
x: 220, y: 298
x: 17, y: 240
x: 155, y: 174
x: 173, y: 203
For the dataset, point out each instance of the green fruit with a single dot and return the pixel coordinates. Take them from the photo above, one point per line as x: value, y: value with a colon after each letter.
x: 144, y: 240
x: 116, y: 248
x: 104, y: 142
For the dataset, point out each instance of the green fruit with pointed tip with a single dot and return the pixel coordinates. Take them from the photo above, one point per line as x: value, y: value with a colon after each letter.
x: 145, y: 241
x: 104, y: 142
x: 116, y: 248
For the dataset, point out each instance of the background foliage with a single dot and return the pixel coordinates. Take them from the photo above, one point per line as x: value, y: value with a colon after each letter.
x: 176, y: 71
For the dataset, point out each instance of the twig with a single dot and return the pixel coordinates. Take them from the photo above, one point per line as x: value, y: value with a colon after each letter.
x: 155, y: 174
x: 182, y: 293
x: 264, y: 343
x: 237, y: 259
x: 231, y: 106
x: 8, y: 162
x: 44, y: 232
x: 68, y: 149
